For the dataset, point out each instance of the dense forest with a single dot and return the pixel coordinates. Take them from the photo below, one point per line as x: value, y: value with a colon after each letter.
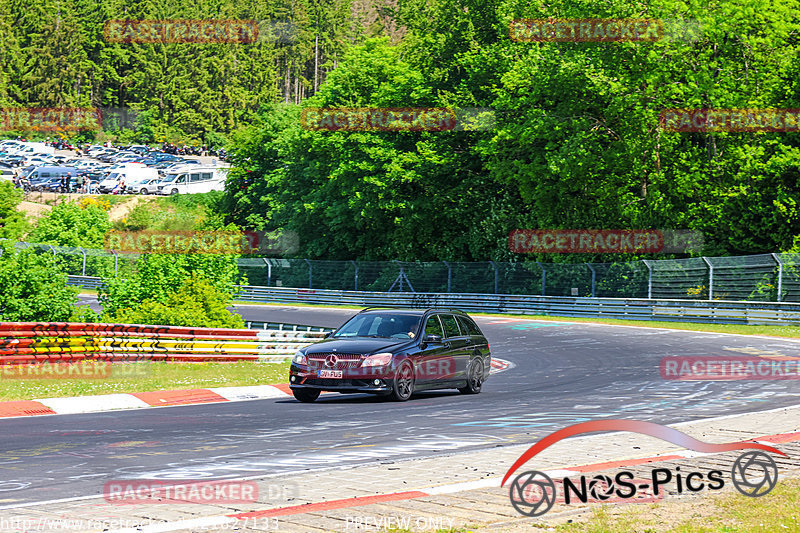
x: 575, y: 143
x: 53, y: 53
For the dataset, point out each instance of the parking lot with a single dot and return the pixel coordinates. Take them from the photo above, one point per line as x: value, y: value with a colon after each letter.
x: 48, y: 167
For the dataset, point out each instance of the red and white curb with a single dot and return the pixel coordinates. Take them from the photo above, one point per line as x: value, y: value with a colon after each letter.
x: 233, y: 519
x: 169, y: 398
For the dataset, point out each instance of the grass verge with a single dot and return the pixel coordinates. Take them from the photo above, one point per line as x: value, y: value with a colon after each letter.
x: 154, y: 376
x: 727, y: 512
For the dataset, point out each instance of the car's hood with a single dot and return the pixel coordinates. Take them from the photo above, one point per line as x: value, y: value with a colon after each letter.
x: 360, y: 345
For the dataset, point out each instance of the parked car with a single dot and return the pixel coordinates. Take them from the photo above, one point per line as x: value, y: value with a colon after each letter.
x: 7, y: 174
x: 125, y: 176
x: 98, y: 152
x: 394, y: 352
x: 138, y: 148
x: 146, y: 186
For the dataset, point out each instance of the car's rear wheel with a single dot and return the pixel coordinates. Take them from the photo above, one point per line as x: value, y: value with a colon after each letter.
x: 403, y: 383
x: 305, y: 395
x: 474, y: 377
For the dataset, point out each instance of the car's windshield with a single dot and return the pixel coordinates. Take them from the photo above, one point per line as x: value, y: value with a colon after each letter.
x: 171, y: 177
x: 383, y: 325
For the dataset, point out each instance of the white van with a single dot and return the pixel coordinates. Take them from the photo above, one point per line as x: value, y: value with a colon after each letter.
x: 27, y: 148
x: 194, y: 179
x: 126, y: 175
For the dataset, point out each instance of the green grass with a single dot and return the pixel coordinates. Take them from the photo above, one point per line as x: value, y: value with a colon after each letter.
x: 711, y: 513
x: 154, y: 376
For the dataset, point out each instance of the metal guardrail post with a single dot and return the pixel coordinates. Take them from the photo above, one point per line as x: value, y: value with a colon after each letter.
x: 449, y: 275
x: 710, y: 278
x: 116, y: 262
x: 310, y: 274
x: 53, y: 250
x: 83, y: 269
x: 594, y: 276
x: 544, y: 277
x: 496, y: 276
x: 780, y: 276
x: 649, y: 279
x: 355, y: 283
x: 269, y: 269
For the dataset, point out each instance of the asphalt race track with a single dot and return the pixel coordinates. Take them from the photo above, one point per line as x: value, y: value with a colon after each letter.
x: 563, y: 374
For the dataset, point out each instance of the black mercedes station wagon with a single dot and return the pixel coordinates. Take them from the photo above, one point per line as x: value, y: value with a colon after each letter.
x: 394, y: 352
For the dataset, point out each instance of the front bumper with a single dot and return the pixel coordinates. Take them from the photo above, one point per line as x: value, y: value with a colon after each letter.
x: 342, y: 385
x: 352, y: 380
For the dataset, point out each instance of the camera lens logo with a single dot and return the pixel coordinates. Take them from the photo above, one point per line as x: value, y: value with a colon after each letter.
x: 754, y: 474
x: 532, y: 493
x: 601, y: 487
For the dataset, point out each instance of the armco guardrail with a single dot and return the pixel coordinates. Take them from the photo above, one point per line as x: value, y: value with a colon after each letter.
x: 30, y: 342
x: 710, y: 311
x: 87, y: 282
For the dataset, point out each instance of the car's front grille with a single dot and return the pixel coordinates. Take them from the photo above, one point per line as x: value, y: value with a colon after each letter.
x: 344, y: 361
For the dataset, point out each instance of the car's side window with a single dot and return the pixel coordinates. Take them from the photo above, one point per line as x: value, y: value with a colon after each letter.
x: 433, y: 326
x: 469, y: 326
x: 450, y: 326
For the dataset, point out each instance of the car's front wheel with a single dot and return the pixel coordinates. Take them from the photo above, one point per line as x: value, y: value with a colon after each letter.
x: 403, y: 383
x: 305, y: 395
x: 474, y: 377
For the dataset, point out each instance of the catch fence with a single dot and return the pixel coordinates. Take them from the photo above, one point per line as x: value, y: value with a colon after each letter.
x: 764, y: 277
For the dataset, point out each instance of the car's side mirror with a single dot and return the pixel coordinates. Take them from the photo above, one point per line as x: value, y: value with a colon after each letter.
x: 329, y: 334
x: 432, y: 339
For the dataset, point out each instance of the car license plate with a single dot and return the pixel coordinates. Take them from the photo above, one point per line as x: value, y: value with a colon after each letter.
x: 330, y: 374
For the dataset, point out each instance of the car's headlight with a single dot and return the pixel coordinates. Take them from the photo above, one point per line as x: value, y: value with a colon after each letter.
x: 379, y: 359
x: 299, y: 358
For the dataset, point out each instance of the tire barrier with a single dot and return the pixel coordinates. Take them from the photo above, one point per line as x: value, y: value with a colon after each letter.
x: 36, y: 342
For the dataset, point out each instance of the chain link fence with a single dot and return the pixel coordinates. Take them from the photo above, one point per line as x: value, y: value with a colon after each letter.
x: 764, y: 277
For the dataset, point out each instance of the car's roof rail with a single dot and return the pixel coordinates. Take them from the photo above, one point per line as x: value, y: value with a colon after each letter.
x: 450, y: 309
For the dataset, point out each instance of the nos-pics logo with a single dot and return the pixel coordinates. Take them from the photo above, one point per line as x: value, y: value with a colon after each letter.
x: 533, y: 493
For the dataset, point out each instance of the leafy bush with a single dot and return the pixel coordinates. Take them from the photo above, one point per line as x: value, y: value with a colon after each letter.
x: 84, y: 313
x: 33, y: 287
x: 159, y: 275
x: 12, y: 221
x: 182, y: 212
x: 71, y: 224
x: 198, y: 303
